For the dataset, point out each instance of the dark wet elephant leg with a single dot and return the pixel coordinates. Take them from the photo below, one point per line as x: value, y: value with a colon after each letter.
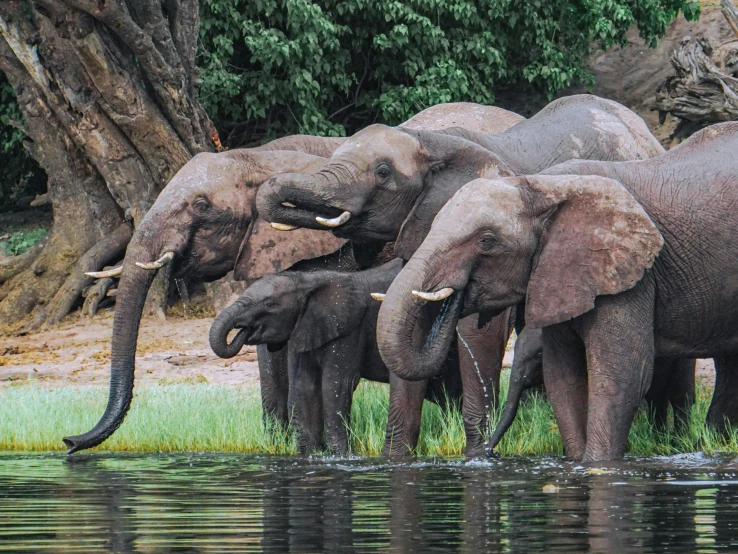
x: 306, y: 402
x: 341, y: 370
x: 480, y: 357
x: 723, y: 410
x: 672, y: 383
x: 618, y: 337
x: 565, y: 379
x: 405, y: 411
x: 274, y: 383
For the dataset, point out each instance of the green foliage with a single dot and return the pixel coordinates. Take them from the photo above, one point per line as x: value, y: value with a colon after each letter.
x: 272, y: 67
x: 20, y: 242
x: 20, y: 172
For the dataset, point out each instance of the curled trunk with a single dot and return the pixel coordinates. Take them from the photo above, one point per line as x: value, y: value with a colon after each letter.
x: 414, y: 335
x: 304, y: 196
x: 134, y: 284
x: 224, y: 324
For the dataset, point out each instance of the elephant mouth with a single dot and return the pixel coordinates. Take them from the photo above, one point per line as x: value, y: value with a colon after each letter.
x: 440, y: 313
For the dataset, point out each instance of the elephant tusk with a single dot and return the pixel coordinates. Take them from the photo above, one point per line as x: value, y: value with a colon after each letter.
x: 336, y: 221
x: 434, y: 296
x: 283, y: 227
x: 288, y: 205
x: 378, y: 296
x: 107, y: 273
x: 158, y: 264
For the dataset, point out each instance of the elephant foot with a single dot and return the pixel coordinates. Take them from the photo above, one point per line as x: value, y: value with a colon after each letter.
x: 396, y: 450
x: 477, y: 451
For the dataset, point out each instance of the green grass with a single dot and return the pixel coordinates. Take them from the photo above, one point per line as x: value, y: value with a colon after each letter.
x: 201, y: 417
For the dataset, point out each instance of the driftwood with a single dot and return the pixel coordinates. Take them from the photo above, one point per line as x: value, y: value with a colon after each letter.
x: 704, y: 89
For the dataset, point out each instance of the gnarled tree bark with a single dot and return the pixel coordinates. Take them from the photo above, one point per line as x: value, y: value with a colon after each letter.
x: 108, y: 90
x: 704, y: 89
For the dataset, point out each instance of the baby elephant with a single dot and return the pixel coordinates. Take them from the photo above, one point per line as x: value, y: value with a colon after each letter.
x: 328, y: 320
x: 672, y: 383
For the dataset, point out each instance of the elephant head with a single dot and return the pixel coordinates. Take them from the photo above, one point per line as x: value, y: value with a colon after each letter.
x: 308, y: 309
x: 203, y: 224
x: 370, y: 185
x: 555, y: 242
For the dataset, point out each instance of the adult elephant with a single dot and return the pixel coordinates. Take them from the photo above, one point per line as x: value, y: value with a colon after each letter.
x: 619, y: 263
x: 672, y: 384
x: 387, y: 183
x: 204, y: 224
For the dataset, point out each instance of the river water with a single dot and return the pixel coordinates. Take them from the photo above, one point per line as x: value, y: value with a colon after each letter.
x: 238, y: 503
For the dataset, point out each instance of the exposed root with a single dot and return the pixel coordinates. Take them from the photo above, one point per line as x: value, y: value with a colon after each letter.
x: 96, y: 294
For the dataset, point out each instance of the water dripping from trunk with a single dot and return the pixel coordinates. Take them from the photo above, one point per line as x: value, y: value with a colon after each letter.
x: 437, y: 322
x: 182, y: 289
x: 481, y: 380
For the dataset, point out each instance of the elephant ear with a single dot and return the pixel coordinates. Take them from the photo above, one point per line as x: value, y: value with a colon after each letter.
x: 454, y: 162
x: 335, y: 309
x: 597, y: 240
x: 265, y: 250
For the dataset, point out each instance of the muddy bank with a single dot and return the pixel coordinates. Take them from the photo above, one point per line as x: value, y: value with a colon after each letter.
x: 77, y: 353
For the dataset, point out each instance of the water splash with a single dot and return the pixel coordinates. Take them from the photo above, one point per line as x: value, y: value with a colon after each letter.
x: 182, y: 289
x: 481, y: 380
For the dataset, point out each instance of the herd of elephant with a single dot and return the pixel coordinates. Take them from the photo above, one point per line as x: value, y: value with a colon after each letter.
x: 409, y: 254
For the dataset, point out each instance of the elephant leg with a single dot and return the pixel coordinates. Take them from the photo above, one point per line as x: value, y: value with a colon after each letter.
x: 682, y: 393
x: 565, y: 379
x: 274, y: 383
x: 657, y: 396
x: 405, y: 411
x: 480, y: 358
x: 724, y: 406
x: 618, y: 337
x: 341, y: 369
x: 306, y: 402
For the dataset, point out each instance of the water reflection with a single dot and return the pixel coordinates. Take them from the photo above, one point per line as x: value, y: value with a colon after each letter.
x: 208, y: 503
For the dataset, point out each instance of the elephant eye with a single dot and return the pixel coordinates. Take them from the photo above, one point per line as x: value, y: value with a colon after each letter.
x: 487, y: 242
x: 201, y: 204
x: 383, y: 171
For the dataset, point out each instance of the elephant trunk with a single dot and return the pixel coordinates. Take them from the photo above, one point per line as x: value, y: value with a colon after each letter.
x: 224, y: 324
x: 297, y: 200
x: 134, y: 285
x: 514, y: 393
x: 414, y: 334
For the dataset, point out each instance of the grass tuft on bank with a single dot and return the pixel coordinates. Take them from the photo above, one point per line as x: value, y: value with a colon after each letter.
x: 207, y: 418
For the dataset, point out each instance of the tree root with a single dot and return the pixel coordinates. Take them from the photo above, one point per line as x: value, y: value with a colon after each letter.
x: 105, y: 251
x: 17, y: 264
x: 100, y: 290
x: 58, y: 274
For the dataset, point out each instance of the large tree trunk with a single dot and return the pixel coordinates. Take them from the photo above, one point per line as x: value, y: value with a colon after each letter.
x: 108, y: 92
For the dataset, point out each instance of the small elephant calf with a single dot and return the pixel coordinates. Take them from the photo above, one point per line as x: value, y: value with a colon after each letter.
x: 328, y: 320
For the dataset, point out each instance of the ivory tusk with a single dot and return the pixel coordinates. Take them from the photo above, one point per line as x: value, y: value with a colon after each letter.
x: 434, y: 296
x: 288, y: 205
x: 158, y: 264
x: 378, y: 296
x: 107, y: 273
x: 283, y: 227
x: 336, y: 221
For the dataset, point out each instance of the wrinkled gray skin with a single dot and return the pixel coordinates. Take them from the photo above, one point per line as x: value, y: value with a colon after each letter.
x: 207, y: 217
x: 204, y: 215
x: 672, y: 384
x: 328, y: 321
x: 619, y: 263
x: 393, y: 182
